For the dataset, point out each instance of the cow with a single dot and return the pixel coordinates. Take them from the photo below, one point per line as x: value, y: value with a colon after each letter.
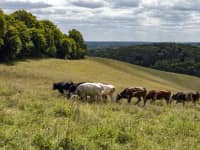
x: 182, y: 97
x: 158, y: 95
x: 62, y: 86
x: 92, y: 90
x: 195, y: 97
x: 129, y: 93
x: 108, y: 90
x: 72, y: 89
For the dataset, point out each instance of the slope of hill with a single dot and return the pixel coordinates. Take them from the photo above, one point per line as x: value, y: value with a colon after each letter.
x: 172, y: 57
x: 32, y: 116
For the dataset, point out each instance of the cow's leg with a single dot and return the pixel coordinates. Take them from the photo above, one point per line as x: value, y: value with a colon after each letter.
x: 139, y: 100
x: 98, y: 98
x: 111, y: 97
x: 82, y: 98
x: 194, y: 102
x: 91, y: 99
x: 153, y: 100
x: 170, y: 100
x: 167, y: 101
x: 85, y: 98
x: 183, y: 102
x: 145, y: 101
x: 61, y: 91
x: 101, y: 99
x: 69, y: 95
x: 129, y: 99
x: 104, y: 98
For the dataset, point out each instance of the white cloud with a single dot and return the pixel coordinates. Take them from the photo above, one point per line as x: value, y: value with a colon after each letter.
x: 146, y: 20
x: 15, y: 4
x: 89, y: 3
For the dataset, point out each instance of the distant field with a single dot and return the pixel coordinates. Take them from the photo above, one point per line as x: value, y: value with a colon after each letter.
x: 32, y: 116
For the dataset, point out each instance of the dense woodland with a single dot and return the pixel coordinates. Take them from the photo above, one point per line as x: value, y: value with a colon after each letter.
x: 23, y: 36
x: 180, y: 58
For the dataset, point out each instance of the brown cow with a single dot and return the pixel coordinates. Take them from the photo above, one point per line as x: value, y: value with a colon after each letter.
x: 158, y: 95
x: 181, y: 97
x: 129, y: 93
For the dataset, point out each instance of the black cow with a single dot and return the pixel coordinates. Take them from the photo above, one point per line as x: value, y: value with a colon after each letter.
x: 72, y: 88
x: 181, y: 97
x: 195, y: 97
x: 62, y: 86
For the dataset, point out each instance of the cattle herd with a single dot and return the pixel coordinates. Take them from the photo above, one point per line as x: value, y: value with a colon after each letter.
x: 92, y: 91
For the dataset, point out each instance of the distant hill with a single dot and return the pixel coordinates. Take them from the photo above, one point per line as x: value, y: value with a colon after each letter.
x: 180, y: 58
x: 115, y: 44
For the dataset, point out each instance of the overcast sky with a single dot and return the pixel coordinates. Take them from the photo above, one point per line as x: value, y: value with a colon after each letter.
x: 119, y: 20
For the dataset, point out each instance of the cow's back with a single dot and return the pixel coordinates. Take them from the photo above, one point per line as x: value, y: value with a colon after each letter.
x: 90, y: 88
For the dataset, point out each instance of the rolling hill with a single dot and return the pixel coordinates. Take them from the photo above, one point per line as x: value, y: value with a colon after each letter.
x: 32, y: 116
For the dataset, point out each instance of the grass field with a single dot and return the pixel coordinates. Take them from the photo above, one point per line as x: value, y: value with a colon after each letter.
x: 32, y: 116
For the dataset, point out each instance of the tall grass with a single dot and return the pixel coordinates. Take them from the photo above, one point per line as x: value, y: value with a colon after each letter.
x: 32, y: 116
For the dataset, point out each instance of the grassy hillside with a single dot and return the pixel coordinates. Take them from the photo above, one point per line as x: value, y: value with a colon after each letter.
x: 32, y: 116
x: 172, y: 57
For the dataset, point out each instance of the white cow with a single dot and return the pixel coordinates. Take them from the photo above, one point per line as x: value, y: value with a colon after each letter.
x: 93, y: 90
x: 108, y: 90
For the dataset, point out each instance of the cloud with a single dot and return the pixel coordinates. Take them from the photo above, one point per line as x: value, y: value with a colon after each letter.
x: 125, y: 3
x: 15, y: 5
x: 158, y: 20
x: 88, y: 3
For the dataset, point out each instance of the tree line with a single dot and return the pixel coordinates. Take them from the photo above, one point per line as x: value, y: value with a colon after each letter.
x: 23, y: 36
x: 179, y: 58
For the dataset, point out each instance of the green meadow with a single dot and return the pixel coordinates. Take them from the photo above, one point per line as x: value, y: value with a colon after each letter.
x: 33, y: 116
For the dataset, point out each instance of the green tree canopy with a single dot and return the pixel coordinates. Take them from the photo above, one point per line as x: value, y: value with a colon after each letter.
x: 23, y: 36
x: 12, y: 44
x: 29, y: 20
x: 39, y: 41
x: 80, y: 44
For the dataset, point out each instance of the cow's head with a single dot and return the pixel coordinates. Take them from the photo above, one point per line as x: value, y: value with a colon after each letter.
x: 174, y: 96
x: 55, y: 86
x: 119, y: 96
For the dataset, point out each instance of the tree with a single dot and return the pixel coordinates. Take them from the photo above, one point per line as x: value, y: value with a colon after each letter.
x: 29, y: 20
x: 2, y: 24
x: 66, y: 48
x: 39, y: 42
x: 80, y: 44
x: 73, y: 53
x: 22, y: 36
x: 2, y: 30
x: 50, y: 35
x: 12, y: 44
x: 27, y: 44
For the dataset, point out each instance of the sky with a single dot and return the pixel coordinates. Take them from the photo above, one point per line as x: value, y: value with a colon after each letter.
x: 119, y: 20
